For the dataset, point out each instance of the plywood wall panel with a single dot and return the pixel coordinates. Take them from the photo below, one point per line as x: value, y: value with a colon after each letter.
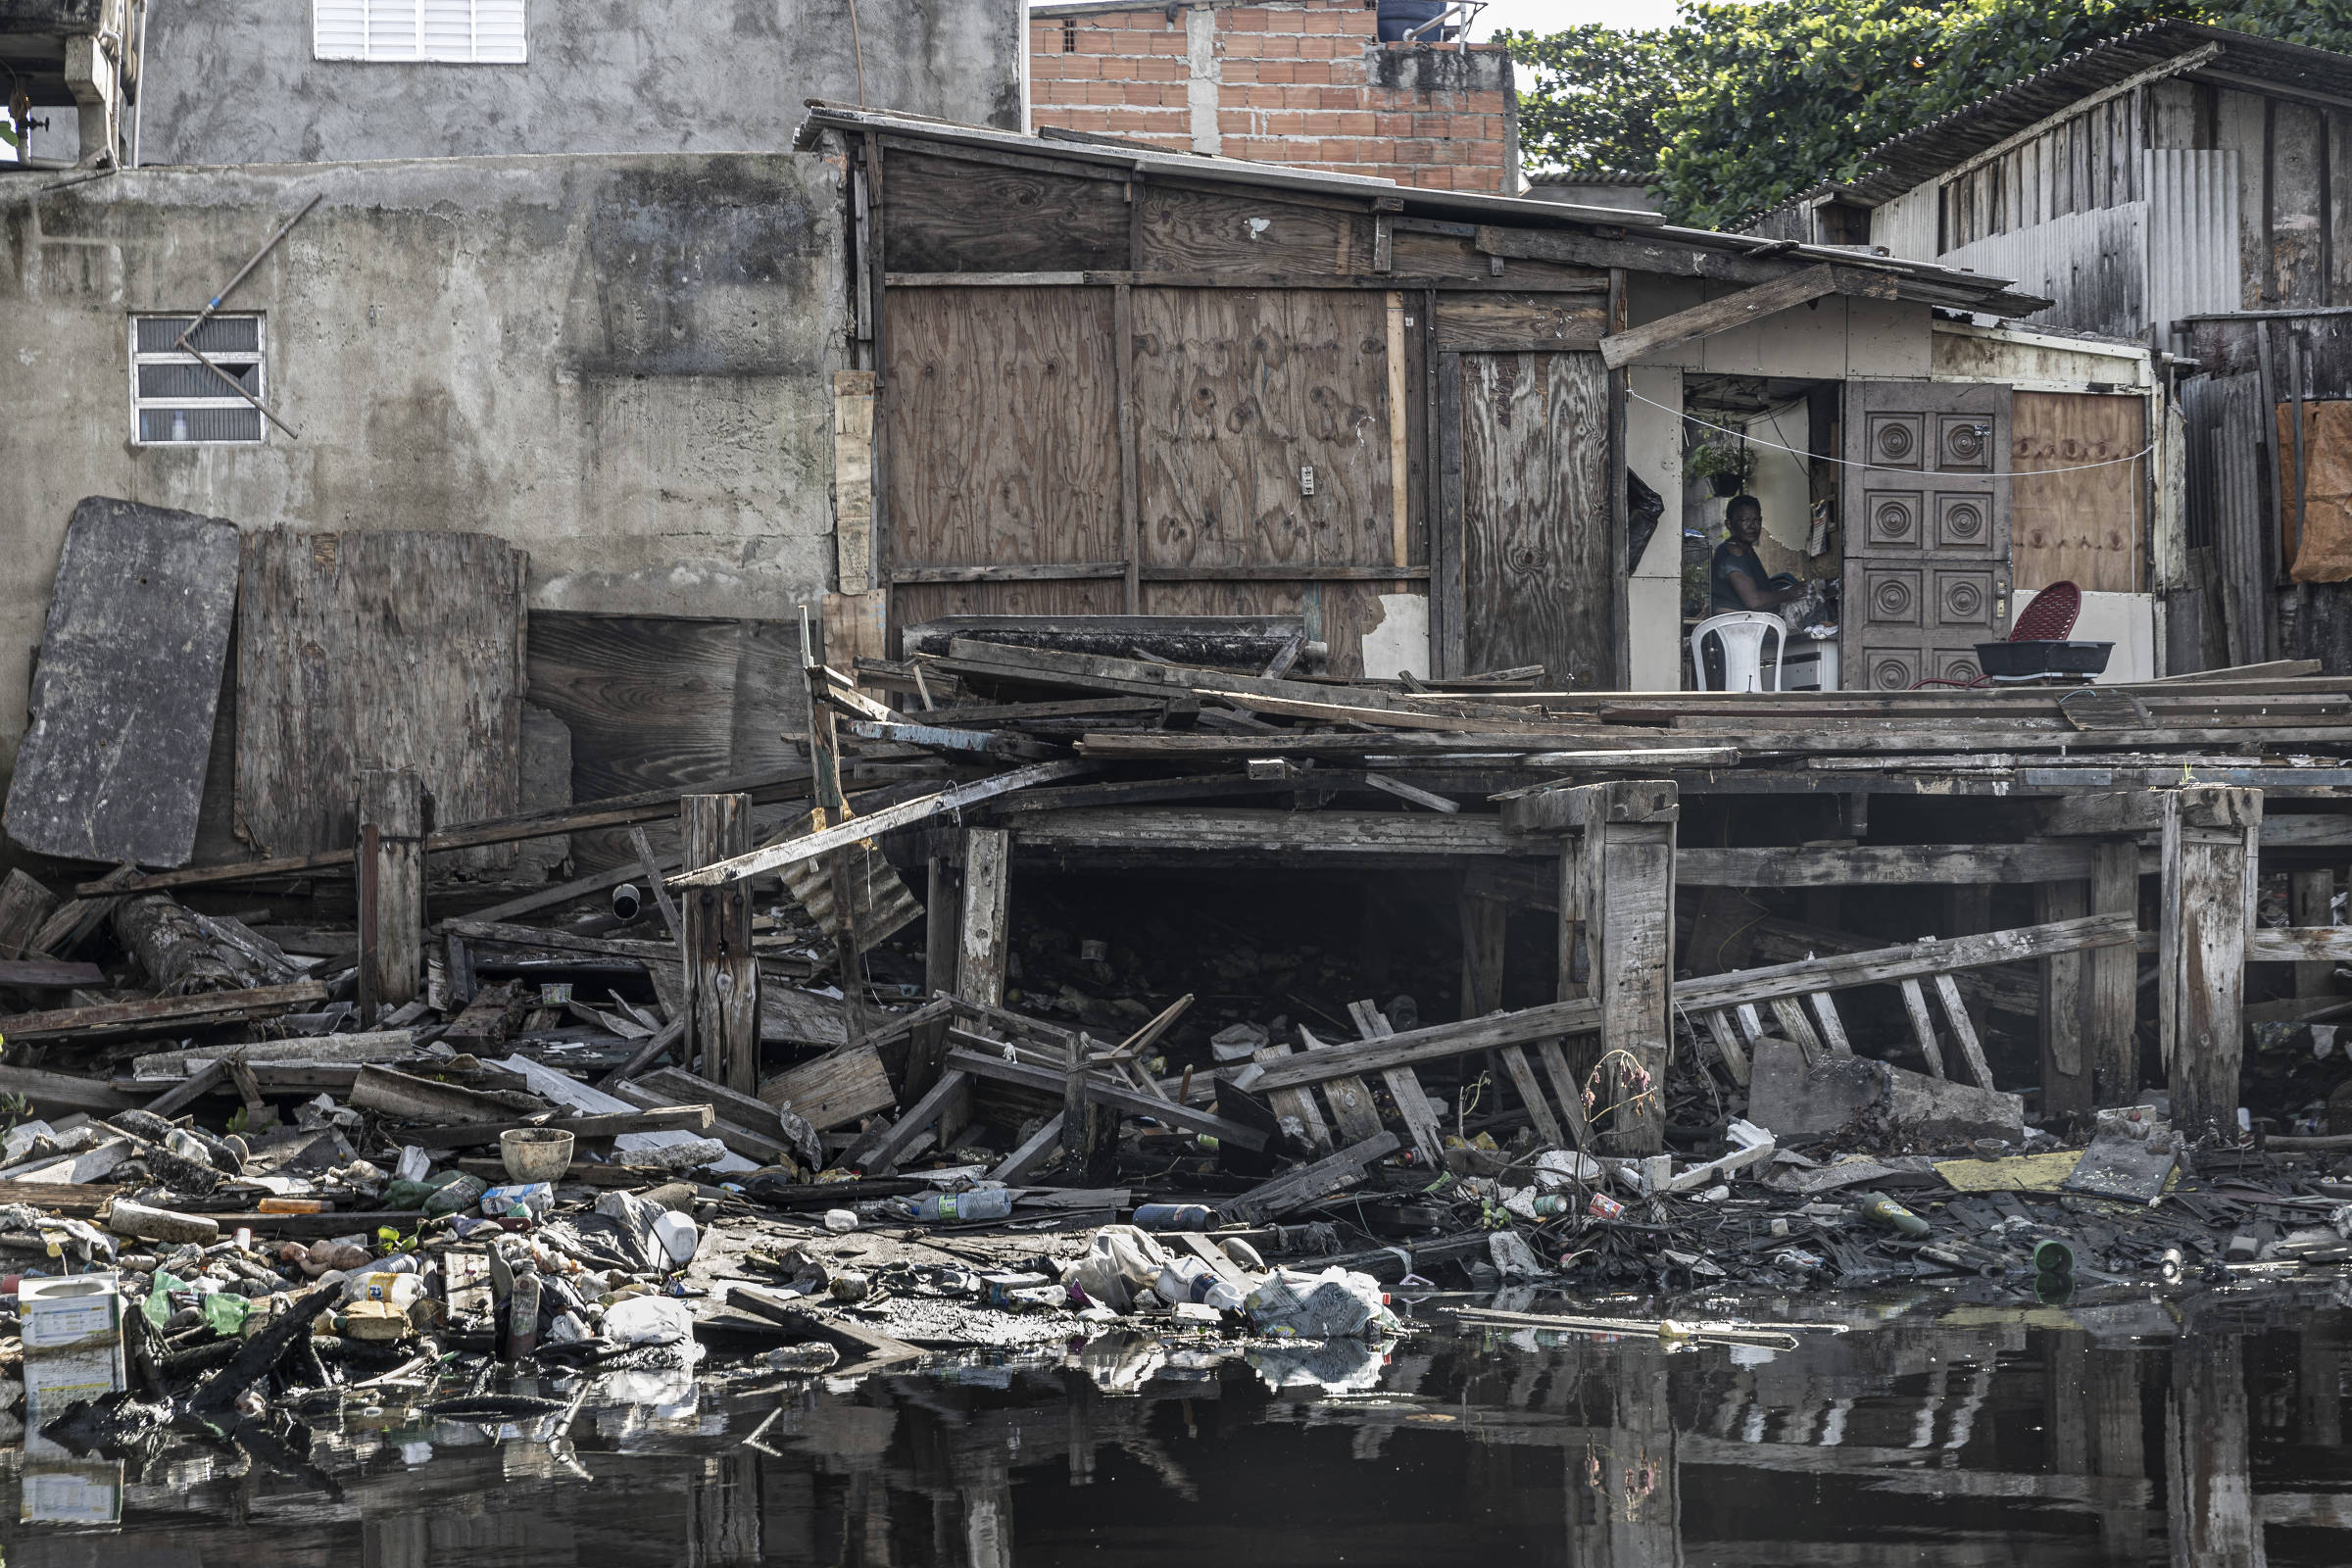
x: 948, y: 214
x: 2087, y: 526
x: 1540, y: 555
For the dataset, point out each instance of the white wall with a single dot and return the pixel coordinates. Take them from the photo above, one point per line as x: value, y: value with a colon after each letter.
x: 1654, y: 449
x: 2128, y: 620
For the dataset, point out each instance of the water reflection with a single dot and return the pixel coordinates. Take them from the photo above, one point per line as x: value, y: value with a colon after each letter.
x: 2206, y: 1433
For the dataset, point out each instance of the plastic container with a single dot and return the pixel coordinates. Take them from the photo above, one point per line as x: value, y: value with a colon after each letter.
x: 533, y: 1199
x: 535, y: 1153
x: 1175, y: 1217
x: 2012, y: 659
x: 403, y: 1291
x: 461, y: 1192
x: 680, y: 1237
x: 1879, y: 1210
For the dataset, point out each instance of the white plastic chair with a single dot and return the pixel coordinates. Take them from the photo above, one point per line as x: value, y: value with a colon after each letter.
x: 1742, y: 634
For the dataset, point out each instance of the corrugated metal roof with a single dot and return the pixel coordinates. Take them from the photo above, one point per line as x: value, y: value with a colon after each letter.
x: 1975, y: 290
x: 1952, y: 139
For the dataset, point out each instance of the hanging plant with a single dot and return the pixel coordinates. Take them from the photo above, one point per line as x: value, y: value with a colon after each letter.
x: 1726, y: 469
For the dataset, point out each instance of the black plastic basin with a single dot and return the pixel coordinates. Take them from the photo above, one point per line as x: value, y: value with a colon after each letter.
x: 2043, y: 658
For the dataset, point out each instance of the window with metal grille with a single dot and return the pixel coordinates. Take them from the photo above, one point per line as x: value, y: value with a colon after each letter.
x: 477, y: 32
x: 176, y: 399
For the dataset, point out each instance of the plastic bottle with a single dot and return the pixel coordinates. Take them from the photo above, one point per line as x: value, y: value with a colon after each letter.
x: 678, y: 1235
x: 458, y: 1193
x: 1880, y: 1209
x: 523, y: 1315
x: 1174, y: 1217
x: 987, y: 1203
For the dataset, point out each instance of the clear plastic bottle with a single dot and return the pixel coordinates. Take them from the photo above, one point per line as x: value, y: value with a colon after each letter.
x: 987, y: 1203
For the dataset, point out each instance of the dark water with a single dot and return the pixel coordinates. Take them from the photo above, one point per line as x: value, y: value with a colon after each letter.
x: 1935, y: 1433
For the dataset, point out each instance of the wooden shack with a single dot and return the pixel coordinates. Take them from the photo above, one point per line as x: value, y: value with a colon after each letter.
x: 1097, y: 379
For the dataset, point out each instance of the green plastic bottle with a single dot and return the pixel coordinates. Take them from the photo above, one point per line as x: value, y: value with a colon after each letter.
x: 1880, y: 1209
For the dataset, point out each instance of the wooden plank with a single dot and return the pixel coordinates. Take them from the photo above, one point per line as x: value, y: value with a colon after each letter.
x: 1266, y: 406
x: 1537, y: 556
x: 1413, y: 1101
x: 2088, y: 525
x: 1349, y: 1096
x: 810, y: 846
x: 1519, y: 322
x: 1399, y: 466
x: 162, y: 1014
x: 2066, y: 1078
x: 1131, y: 517
x: 48, y: 974
x: 2111, y: 1001
x: 1001, y: 450
x: 983, y: 945
x: 1833, y: 1028
x: 1521, y: 1074
x: 879, y: 1152
x: 1211, y: 231
x: 1885, y: 965
x: 70, y: 1090
x: 1964, y: 1031
x: 722, y: 972
x: 2327, y: 945
x: 852, y: 478
x: 1790, y: 1013
x: 1729, y: 1046
x: 1101, y: 1090
x: 1097, y: 672
x: 1295, y: 1189
x: 1296, y: 1104
x: 835, y: 1089
x: 111, y: 765
x: 1923, y: 1026
x: 1730, y: 311
x: 391, y: 832
x: 660, y: 1119
x: 2207, y: 875
x: 26, y: 906
x: 949, y: 214
x: 391, y: 646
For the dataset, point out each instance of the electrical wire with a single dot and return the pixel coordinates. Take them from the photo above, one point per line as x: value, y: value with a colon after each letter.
x: 1878, y: 468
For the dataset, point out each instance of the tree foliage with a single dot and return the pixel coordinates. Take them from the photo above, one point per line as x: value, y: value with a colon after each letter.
x: 1739, y: 107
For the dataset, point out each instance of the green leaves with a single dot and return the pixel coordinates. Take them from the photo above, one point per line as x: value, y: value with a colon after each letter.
x: 1739, y: 107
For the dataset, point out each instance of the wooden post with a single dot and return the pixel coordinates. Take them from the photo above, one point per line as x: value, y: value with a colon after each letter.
x: 2310, y: 895
x: 849, y: 958
x: 1625, y: 886
x: 2209, y: 1491
x: 981, y: 941
x: 722, y: 974
x: 943, y: 926
x: 2111, y: 979
x: 2209, y: 856
x: 2066, y: 1067
x: 391, y: 878
x: 1485, y: 924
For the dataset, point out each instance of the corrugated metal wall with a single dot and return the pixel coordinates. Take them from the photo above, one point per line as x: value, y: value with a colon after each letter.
x: 2089, y: 262
x: 2229, y: 544
x: 2192, y: 215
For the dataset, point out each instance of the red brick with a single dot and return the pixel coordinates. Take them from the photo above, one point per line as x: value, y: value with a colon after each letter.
x: 1281, y: 47
x: 1116, y: 70
x: 1249, y: 19
x: 1276, y: 70
x: 1159, y: 67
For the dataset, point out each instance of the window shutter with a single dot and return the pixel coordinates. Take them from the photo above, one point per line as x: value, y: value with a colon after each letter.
x: 392, y: 28
x: 498, y: 31
x: 448, y: 30
x: 339, y: 30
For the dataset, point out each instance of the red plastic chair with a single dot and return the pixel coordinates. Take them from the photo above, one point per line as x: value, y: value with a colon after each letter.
x: 2050, y: 618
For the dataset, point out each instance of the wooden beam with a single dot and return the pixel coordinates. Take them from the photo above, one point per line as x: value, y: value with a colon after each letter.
x: 2208, y: 859
x: 983, y: 943
x: 391, y: 888
x: 160, y: 1014
x: 1885, y: 965
x: 1752, y: 303
x: 810, y: 846
x: 1127, y: 1101
x: 722, y: 972
x: 2111, y: 978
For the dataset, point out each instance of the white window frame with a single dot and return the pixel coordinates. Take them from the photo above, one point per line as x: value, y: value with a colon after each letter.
x: 404, y: 21
x: 257, y: 357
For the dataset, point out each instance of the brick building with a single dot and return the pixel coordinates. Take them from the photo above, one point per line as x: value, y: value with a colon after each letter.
x: 1306, y: 82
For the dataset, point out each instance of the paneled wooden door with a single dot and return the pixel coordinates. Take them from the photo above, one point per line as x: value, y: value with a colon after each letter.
x: 1925, y: 529
x: 1528, y: 502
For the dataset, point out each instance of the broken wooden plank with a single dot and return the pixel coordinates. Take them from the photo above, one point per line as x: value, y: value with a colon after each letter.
x: 1291, y: 1104
x: 1521, y: 1074
x: 410, y: 1098
x: 63, y: 1089
x: 48, y: 974
x: 856, y: 1343
x: 657, y: 1120
x: 835, y: 1089
x: 123, y: 696
x: 1295, y: 1189
x: 877, y: 1153
x: 159, y: 1015
x: 1923, y: 1026
x: 1349, y: 1096
x: 1964, y: 1031
x: 1885, y: 965
x: 1101, y: 1090
x: 812, y: 845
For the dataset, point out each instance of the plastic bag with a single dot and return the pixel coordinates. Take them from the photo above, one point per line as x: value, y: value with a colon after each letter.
x: 1120, y: 1261
x: 649, y: 1320
x: 1331, y: 1305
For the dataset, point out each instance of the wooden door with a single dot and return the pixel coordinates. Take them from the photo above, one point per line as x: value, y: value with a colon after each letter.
x: 1925, y: 529
x: 1531, y: 510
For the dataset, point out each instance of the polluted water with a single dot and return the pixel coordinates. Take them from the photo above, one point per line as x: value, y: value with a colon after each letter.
x: 1511, y: 1427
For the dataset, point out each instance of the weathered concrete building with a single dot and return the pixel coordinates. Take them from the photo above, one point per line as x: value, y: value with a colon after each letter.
x: 608, y: 338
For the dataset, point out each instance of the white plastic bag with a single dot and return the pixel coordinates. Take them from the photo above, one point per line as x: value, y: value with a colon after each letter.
x: 1120, y: 1261
x: 1331, y: 1305
x: 649, y: 1320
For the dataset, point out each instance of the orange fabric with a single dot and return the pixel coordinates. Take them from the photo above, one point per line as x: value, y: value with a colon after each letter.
x: 2315, y: 508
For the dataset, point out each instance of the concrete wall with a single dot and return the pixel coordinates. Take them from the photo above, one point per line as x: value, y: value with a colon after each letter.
x: 623, y: 365
x: 232, y: 82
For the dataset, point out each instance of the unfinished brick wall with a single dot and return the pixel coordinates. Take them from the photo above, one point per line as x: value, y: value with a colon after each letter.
x: 1286, y: 81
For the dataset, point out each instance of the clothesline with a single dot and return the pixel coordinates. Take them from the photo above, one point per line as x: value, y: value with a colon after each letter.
x: 1757, y: 441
